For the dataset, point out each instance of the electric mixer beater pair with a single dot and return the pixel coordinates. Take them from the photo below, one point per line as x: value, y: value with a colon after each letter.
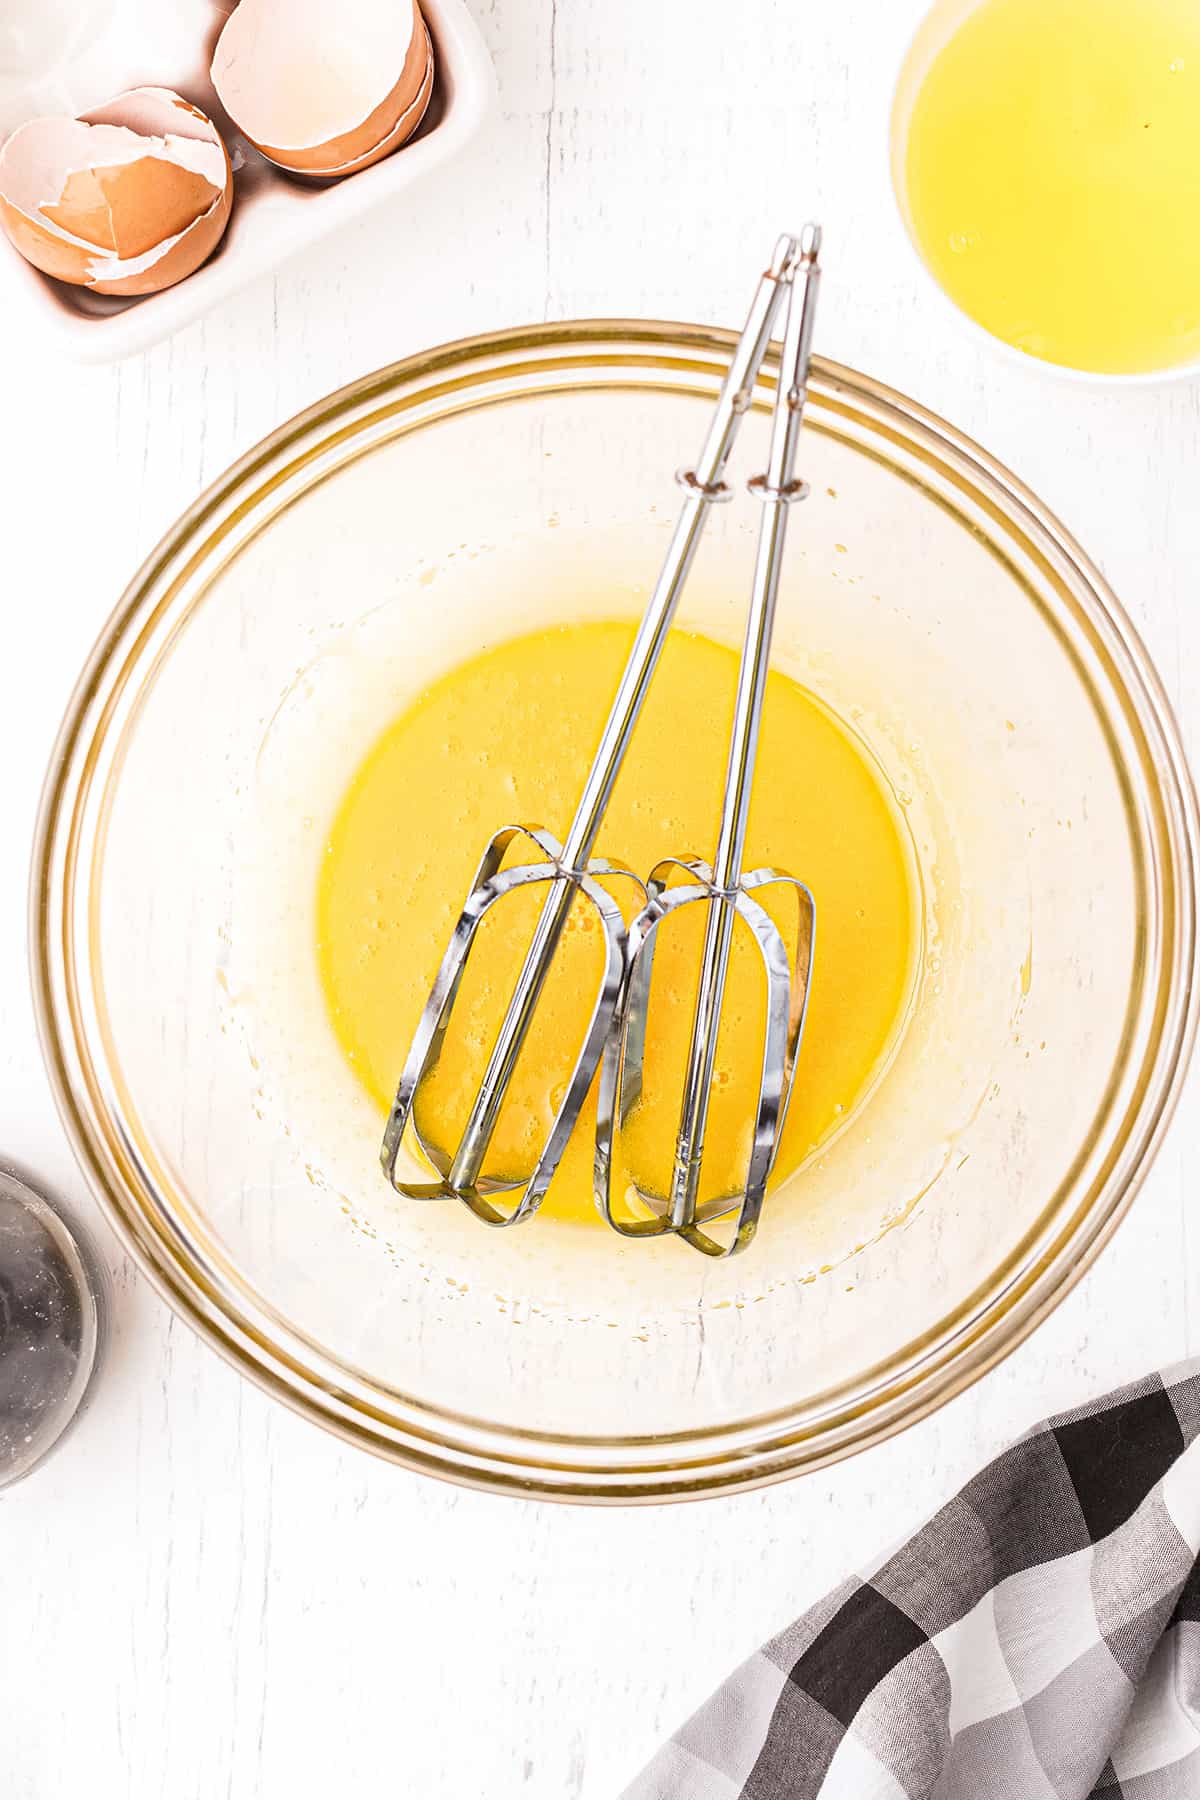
x: 614, y: 1042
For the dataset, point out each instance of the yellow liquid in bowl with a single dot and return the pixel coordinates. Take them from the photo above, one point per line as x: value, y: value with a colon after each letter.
x: 507, y: 738
x: 1051, y: 175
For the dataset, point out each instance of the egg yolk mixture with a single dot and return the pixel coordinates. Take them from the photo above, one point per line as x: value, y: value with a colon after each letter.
x: 1052, y: 174
x: 508, y: 738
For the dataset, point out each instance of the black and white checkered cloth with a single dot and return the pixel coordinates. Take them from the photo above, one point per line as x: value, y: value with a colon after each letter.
x: 1038, y: 1639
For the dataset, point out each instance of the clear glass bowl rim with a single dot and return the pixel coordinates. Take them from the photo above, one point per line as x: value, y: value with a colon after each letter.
x: 277, y: 1355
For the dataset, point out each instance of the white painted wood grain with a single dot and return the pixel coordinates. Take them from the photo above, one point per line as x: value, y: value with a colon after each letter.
x: 202, y: 1597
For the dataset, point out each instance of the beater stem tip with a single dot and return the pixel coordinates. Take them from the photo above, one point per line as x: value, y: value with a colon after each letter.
x: 795, y: 252
x: 783, y: 261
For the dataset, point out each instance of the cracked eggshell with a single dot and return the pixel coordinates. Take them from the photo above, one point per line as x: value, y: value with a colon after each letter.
x: 324, y: 90
x: 126, y: 199
x: 403, y: 129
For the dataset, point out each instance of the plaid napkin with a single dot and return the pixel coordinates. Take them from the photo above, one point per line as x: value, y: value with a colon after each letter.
x: 1038, y: 1639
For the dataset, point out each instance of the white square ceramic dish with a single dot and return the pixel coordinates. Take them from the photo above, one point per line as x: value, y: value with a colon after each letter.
x: 76, y: 53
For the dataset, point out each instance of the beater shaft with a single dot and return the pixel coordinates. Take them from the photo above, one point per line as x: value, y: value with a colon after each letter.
x: 777, y: 490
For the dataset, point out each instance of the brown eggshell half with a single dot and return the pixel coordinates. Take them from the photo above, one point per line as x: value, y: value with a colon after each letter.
x: 128, y: 199
x: 319, y: 89
x: 403, y: 129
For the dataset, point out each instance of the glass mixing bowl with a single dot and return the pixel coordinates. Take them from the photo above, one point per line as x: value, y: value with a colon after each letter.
x: 464, y: 495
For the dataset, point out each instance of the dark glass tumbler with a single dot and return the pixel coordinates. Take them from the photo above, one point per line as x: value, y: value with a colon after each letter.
x: 52, y: 1312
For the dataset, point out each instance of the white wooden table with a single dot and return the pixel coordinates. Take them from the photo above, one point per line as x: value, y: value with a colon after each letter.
x: 202, y: 1596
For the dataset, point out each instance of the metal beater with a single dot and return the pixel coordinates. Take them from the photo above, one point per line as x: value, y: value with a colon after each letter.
x: 615, y: 1037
